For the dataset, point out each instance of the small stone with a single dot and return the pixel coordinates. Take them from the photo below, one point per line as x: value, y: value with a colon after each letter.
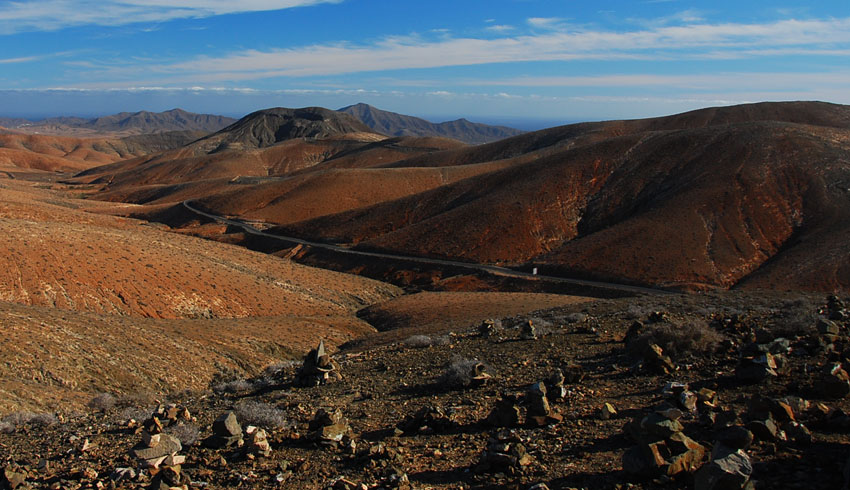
x: 797, y: 433
x: 122, y: 474
x: 827, y: 327
x: 607, y: 411
x: 12, y: 477
x: 765, y: 430
x: 166, y: 446
x: 227, y: 425
x: 728, y: 470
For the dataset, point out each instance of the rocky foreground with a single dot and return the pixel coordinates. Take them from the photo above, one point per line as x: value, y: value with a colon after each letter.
x: 706, y: 391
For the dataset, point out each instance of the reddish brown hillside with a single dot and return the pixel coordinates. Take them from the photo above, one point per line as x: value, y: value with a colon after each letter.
x: 55, y: 255
x: 687, y: 208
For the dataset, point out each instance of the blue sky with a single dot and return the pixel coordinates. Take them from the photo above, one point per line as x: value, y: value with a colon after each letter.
x: 527, y: 62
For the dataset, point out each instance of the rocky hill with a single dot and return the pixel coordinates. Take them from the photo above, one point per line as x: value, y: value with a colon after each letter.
x: 394, y: 124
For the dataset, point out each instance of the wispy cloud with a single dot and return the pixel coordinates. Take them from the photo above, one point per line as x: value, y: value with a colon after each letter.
x: 829, y: 37
x: 49, y: 15
x: 544, y: 22
x: 710, y: 82
x: 500, y: 28
x: 24, y: 59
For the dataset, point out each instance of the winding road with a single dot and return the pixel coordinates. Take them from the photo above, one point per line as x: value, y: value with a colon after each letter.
x: 491, y: 269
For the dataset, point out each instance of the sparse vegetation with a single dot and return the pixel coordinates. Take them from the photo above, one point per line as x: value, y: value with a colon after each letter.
x: 420, y: 341
x: 679, y: 340
x: 459, y: 373
x: 102, y: 402
x: 187, y: 433
x: 15, y: 420
x: 261, y: 414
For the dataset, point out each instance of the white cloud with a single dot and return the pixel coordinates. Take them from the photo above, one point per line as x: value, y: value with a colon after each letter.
x: 699, y: 41
x: 500, y: 28
x: 544, y: 22
x: 24, y: 59
x: 49, y: 15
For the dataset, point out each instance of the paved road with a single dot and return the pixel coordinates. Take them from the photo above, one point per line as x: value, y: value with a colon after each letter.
x: 492, y: 269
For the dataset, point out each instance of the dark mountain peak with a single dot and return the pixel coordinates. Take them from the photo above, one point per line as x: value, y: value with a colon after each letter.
x: 394, y: 124
x: 270, y: 126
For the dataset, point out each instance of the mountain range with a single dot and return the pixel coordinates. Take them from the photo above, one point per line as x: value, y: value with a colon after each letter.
x: 134, y: 122
x: 393, y: 124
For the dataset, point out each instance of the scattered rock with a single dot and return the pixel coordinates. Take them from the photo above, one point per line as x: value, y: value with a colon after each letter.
x: 426, y: 420
x: 735, y: 437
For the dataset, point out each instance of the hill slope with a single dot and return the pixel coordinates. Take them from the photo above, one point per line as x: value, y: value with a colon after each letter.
x: 394, y: 124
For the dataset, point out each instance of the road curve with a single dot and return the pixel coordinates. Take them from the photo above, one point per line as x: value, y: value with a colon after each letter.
x: 491, y: 269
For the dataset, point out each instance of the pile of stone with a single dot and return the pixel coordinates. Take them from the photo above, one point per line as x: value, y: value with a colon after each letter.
x: 328, y: 427
x: 505, y: 453
x: 835, y: 382
x: 537, y: 399
x: 836, y: 309
x: 772, y: 420
x: 758, y: 364
x: 540, y: 412
x: 227, y: 432
x: 528, y: 331
x: 158, y: 451
x: 427, y: 420
x: 258, y: 442
x: 488, y: 328
x: 662, y: 448
x: 318, y: 368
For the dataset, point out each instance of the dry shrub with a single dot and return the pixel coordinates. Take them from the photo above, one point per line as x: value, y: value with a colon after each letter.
x: 261, y: 414
x: 459, y: 373
x: 187, y: 433
x: 420, y: 341
x: 679, y: 341
x: 102, y: 402
x: 11, y: 422
x: 235, y: 386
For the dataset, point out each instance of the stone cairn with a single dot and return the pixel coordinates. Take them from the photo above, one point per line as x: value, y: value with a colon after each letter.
x: 528, y: 331
x: 227, y: 432
x: 505, y: 453
x: 158, y: 451
x: 328, y: 427
x: 318, y: 368
x: 488, y: 328
x: 537, y: 400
